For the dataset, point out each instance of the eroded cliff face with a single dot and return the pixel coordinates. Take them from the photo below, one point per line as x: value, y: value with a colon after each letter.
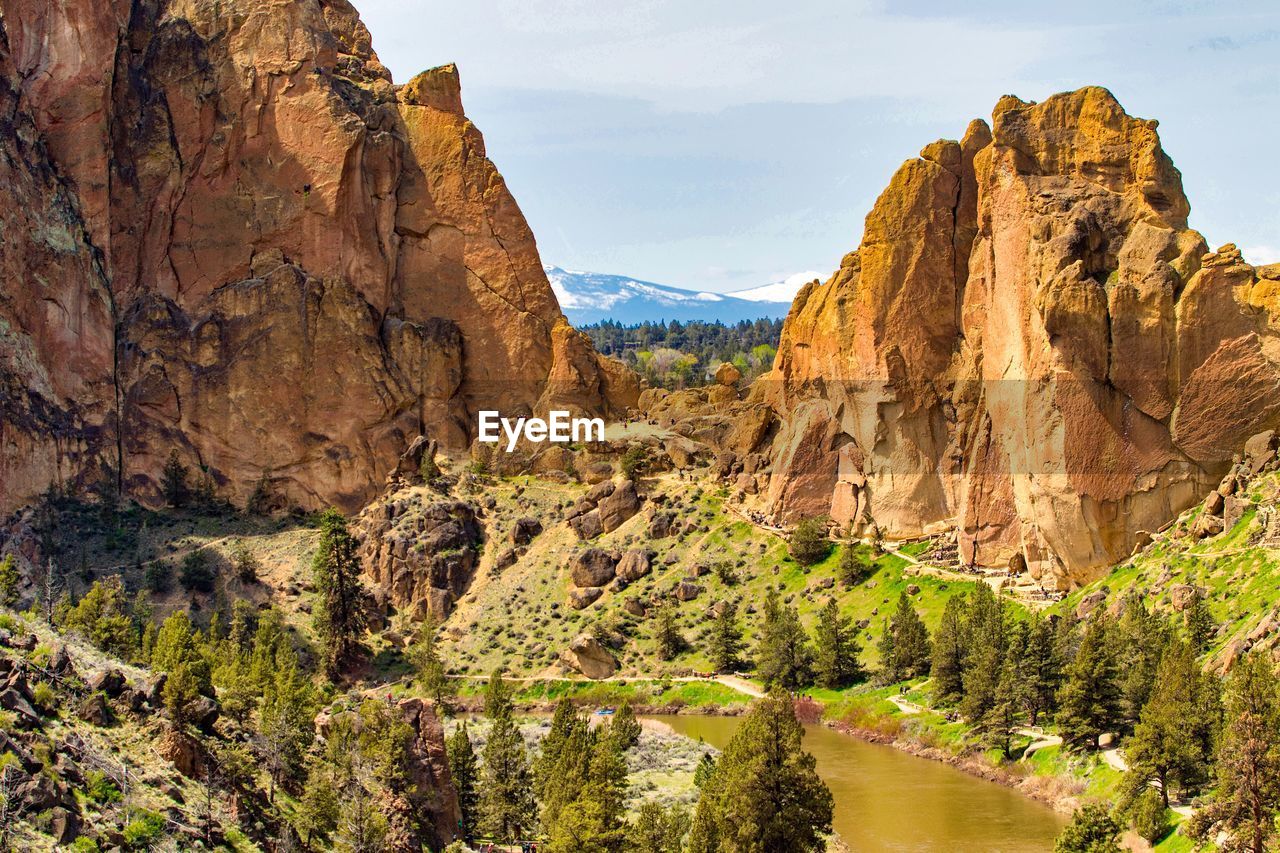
x: 227, y: 232
x: 1030, y: 344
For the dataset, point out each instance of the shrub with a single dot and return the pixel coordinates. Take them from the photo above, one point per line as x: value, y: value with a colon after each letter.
x: 158, y: 576
x: 245, y: 562
x: 196, y: 574
x: 144, y: 830
x: 1148, y: 816
x: 809, y: 543
x: 634, y: 461
x: 84, y: 844
x: 43, y: 697
x: 101, y: 789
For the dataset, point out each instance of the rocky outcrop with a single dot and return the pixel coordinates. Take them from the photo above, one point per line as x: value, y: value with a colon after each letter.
x: 1030, y: 345
x: 587, y: 655
x: 230, y: 234
x: 422, y: 553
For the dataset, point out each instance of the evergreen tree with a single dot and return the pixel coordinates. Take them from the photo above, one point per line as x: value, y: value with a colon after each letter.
x: 853, y: 568
x: 1090, y: 695
x: 809, y: 543
x: 563, y: 721
x: 177, y: 646
x: 1248, y: 767
x: 1175, y: 735
x: 1199, y: 623
x: 286, y: 718
x: 835, y: 661
x: 658, y: 829
x: 783, y: 655
x: 949, y: 642
x: 904, y: 652
x: 666, y: 633
x: 432, y: 675
x: 8, y: 581
x: 1041, y: 669
x: 726, y: 640
x: 1002, y: 719
x: 465, y: 772
x: 173, y: 481
x: 765, y: 795
x: 1092, y: 830
x: 339, y: 614
x: 1140, y: 638
x: 703, y: 772
x: 986, y: 627
x: 506, y: 801
x: 319, y: 808
x: 625, y: 728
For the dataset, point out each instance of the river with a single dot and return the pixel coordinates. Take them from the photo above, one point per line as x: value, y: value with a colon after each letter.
x: 887, y: 800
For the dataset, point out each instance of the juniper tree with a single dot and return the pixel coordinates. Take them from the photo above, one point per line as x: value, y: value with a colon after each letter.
x: 783, y: 655
x: 430, y: 668
x: 949, y: 645
x: 666, y: 634
x: 173, y: 481
x: 835, y: 662
x: 1090, y: 695
x: 1002, y: 718
x: 765, y: 795
x: 1041, y: 669
x: 1140, y: 638
x: 339, y: 615
x: 853, y: 569
x: 465, y: 772
x: 808, y: 543
x: 625, y: 728
x: 506, y: 800
x: 904, y: 648
x: 1248, y: 767
x: 1199, y: 623
x: 1174, y: 738
x: 8, y: 581
x: 1092, y: 830
x: 726, y: 639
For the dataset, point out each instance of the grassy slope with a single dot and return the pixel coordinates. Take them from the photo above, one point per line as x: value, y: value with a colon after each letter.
x: 521, y: 618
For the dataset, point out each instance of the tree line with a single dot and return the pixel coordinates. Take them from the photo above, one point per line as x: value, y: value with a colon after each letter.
x: 680, y: 355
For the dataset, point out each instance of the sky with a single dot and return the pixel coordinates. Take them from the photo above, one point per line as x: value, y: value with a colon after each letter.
x: 724, y: 144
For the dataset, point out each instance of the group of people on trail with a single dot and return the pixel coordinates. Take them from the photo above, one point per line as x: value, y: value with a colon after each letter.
x: 525, y: 847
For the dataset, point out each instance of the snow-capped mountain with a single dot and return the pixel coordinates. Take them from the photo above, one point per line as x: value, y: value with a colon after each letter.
x: 778, y: 291
x: 589, y: 297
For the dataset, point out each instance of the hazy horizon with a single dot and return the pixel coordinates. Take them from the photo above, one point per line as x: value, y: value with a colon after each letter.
x: 726, y: 145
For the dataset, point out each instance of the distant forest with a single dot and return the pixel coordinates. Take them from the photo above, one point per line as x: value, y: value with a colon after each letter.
x: 681, y: 355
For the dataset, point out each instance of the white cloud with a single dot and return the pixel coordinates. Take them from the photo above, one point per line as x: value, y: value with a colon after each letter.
x: 1259, y: 255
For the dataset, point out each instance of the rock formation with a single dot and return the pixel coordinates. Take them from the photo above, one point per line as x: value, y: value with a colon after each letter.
x: 1030, y: 345
x: 226, y: 232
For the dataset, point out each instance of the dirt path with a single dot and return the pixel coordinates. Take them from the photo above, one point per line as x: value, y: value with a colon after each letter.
x: 733, y: 682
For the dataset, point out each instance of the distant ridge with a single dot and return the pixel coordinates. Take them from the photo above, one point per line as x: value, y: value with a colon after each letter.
x: 591, y: 297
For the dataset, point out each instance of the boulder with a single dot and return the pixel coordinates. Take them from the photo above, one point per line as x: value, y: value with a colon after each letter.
x: 1181, y: 595
x: 1206, y: 526
x: 588, y: 656
x: 524, y: 530
x: 582, y: 598
x: 1213, y: 503
x: 593, y: 567
x: 1090, y: 603
x: 506, y: 559
x: 109, y: 681
x: 634, y: 606
x: 618, y: 506
x: 588, y: 525
x: 728, y: 374
x: 94, y: 709
x: 634, y: 565
x: 1260, y: 450
x: 687, y: 591
x: 660, y: 525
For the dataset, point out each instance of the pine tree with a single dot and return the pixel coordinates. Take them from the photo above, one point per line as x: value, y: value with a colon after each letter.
x: 8, y: 581
x: 949, y: 642
x: 726, y: 639
x: 465, y: 772
x: 1199, y: 623
x: 1090, y: 695
x: 853, y: 568
x: 432, y: 675
x: 592, y: 822
x: 835, y: 662
x: 1092, y: 830
x: 1140, y: 638
x: 658, y: 828
x: 666, y: 635
x: 783, y: 655
x: 506, y: 801
x: 173, y: 481
x: 1041, y: 669
x: 809, y: 543
x: 625, y: 728
x: 904, y: 652
x: 286, y: 718
x: 1002, y: 719
x: 319, y: 809
x: 1248, y: 766
x: 339, y: 614
x: 765, y: 795
x: 1174, y: 738
x: 986, y: 628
